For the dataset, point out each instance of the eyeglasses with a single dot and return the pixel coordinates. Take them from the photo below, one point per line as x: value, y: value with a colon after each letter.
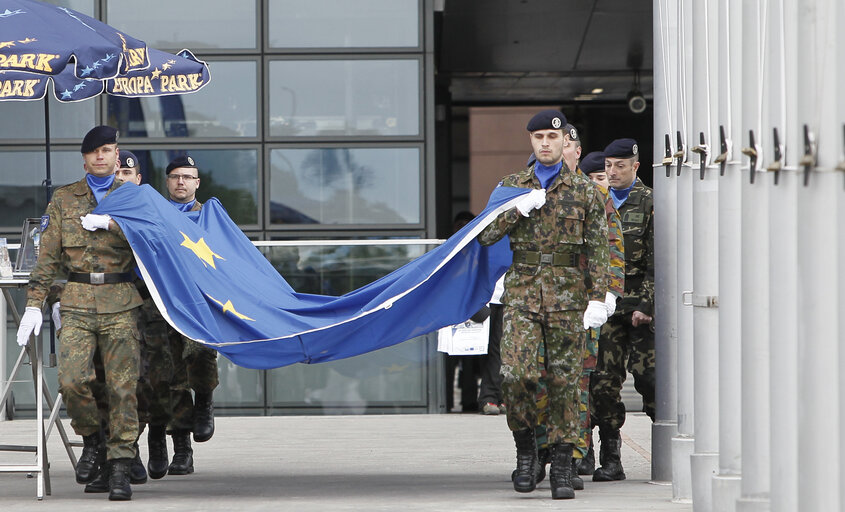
x: 184, y: 177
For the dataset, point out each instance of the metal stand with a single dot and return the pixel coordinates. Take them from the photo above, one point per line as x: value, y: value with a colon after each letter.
x: 41, y: 467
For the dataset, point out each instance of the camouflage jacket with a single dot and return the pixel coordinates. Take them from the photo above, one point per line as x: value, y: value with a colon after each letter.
x: 572, y: 221
x: 637, y: 214
x: 67, y: 247
x: 615, y: 238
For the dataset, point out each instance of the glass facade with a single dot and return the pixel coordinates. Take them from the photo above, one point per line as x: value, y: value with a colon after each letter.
x: 313, y: 127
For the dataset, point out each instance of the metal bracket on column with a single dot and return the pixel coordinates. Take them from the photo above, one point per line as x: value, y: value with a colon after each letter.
x: 751, y: 152
x: 808, y: 161
x: 722, y: 159
x: 667, y: 157
x: 699, y: 301
x: 777, y: 164
x: 702, y: 149
x: 679, y: 154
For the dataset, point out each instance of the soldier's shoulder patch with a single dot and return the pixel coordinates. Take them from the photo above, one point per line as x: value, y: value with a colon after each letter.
x: 45, y: 221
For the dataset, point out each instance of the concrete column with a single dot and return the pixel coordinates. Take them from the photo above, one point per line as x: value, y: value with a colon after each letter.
x: 665, y: 247
x: 704, y: 299
x: 726, y: 484
x: 683, y: 444
x: 819, y: 475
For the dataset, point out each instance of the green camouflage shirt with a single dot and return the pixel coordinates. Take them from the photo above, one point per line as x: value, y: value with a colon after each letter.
x: 572, y: 221
x: 67, y: 247
x: 637, y: 214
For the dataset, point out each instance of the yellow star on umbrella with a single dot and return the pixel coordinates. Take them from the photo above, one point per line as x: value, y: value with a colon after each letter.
x: 202, y: 250
x: 166, y: 66
x: 7, y: 44
x: 156, y: 73
x: 228, y: 307
x: 28, y: 40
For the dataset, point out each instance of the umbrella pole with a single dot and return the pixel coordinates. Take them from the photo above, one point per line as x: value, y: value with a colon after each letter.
x: 48, y: 190
x: 48, y: 181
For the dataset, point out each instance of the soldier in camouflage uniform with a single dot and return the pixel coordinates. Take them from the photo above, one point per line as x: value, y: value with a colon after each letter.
x: 194, y: 365
x: 583, y: 460
x: 99, y: 309
x: 627, y: 339
x: 554, y: 290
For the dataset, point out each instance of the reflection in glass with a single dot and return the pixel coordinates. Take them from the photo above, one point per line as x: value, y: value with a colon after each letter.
x: 22, y: 175
x: 343, y: 24
x: 344, y: 97
x: 25, y: 119
x: 230, y: 175
x: 226, y: 108
x: 338, y: 269
x: 194, y: 24
x: 345, y: 186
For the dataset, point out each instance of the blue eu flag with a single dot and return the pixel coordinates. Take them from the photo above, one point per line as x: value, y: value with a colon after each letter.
x: 212, y: 285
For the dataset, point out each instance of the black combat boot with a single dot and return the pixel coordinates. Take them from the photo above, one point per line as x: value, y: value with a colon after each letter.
x: 577, y: 481
x: 158, y: 462
x: 610, y: 457
x: 203, y: 417
x: 587, y: 465
x: 527, y: 463
x: 560, y: 472
x: 119, y: 488
x: 89, y: 461
x: 543, y: 457
x: 101, y: 482
x: 183, y: 455
x: 137, y: 473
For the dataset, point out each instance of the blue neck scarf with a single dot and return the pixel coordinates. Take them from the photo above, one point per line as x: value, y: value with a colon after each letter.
x: 183, y: 207
x: 99, y: 185
x: 547, y: 175
x: 619, y: 196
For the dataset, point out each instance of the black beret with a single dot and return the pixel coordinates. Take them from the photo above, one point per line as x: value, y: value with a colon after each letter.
x: 593, y: 162
x: 571, y: 131
x: 128, y: 160
x: 98, y: 136
x: 621, y: 148
x: 547, y: 120
x: 180, y: 161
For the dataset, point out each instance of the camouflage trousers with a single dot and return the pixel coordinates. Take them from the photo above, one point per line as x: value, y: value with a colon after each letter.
x: 117, y: 337
x: 158, y: 360
x: 543, y: 351
x: 622, y: 346
x: 585, y: 430
x: 194, y: 367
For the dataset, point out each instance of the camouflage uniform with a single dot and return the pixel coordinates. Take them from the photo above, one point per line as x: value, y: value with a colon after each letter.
x: 93, y: 316
x: 617, y: 287
x: 157, y: 359
x: 621, y: 343
x: 194, y: 367
x: 544, y: 302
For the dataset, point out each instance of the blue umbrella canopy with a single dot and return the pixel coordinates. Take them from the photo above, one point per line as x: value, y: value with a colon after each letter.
x: 45, y: 39
x: 167, y: 74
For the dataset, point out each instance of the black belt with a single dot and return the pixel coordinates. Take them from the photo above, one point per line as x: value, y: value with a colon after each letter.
x: 557, y: 259
x: 100, y: 277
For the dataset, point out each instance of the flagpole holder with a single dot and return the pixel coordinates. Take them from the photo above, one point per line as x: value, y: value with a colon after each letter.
x: 41, y: 466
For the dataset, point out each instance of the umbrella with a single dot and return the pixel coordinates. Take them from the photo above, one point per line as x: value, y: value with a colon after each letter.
x: 83, y: 57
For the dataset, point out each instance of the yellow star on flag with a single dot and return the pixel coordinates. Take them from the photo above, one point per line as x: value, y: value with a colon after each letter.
x: 228, y: 307
x: 202, y: 250
x: 156, y: 73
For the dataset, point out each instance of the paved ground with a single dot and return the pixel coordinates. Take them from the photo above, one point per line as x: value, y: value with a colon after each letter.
x: 453, y: 462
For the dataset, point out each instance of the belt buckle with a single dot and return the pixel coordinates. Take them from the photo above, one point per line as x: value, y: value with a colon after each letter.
x: 546, y: 258
x: 98, y: 278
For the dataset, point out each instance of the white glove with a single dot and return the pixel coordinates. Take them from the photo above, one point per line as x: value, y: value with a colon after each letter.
x: 530, y: 201
x: 92, y: 222
x: 30, y: 322
x: 610, y: 303
x: 57, y: 317
x: 596, y: 315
